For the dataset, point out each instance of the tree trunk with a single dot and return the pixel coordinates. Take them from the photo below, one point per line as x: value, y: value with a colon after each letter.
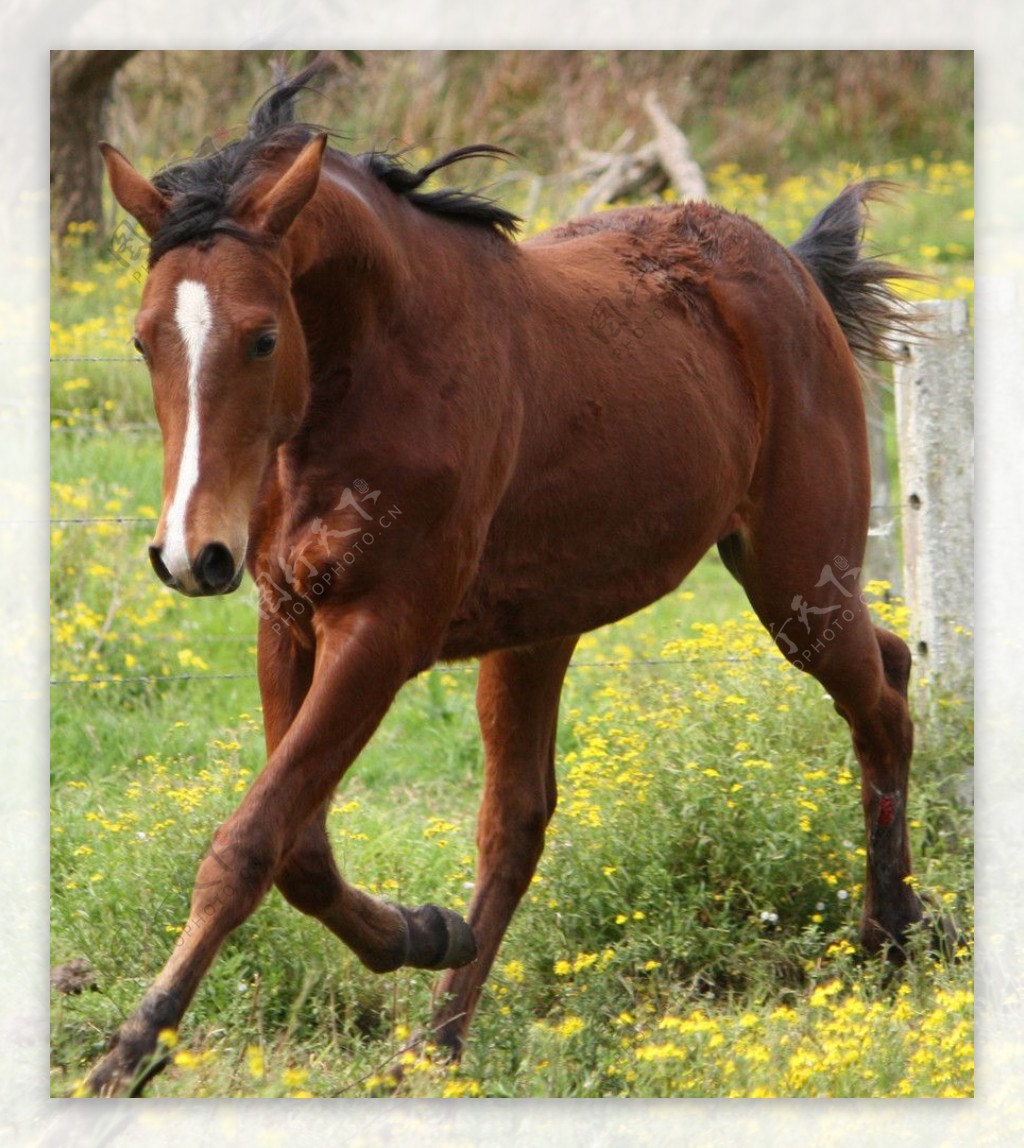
x: 79, y: 87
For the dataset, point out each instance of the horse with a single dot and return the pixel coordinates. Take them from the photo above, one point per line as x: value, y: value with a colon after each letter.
x: 412, y: 430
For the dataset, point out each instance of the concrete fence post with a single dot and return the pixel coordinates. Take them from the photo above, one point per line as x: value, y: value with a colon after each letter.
x: 935, y: 421
x: 882, y: 554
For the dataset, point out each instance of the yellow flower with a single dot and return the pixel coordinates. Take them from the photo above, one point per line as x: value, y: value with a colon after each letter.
x: 514, y: 971
x: 570, y: 1026
x: 168, y: 1037
x: 454, y: 1089
x: 654, y: 1052
x: 188, y: 660
x: 254, y: 1061
x: 823, y: 993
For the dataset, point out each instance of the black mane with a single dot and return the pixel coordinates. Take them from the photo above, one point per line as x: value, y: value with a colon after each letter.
x: 468, y: 205
x: 204, y: 189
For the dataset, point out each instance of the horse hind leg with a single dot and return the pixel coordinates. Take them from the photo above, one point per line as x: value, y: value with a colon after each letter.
x: 883, y: 739
x: 517, y: 702
x: 807, y: 594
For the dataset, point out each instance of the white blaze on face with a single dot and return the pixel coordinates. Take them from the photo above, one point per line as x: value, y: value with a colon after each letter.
x: 194, y: 316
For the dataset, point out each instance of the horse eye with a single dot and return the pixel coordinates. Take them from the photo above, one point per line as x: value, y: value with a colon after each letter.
x: 137, y: 344
x: 264, y: 345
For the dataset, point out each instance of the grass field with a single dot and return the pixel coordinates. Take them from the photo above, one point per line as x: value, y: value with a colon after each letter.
x: 690, y: 930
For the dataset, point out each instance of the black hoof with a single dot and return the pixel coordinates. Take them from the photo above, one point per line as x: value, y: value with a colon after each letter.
x: 897, y: 938
x: 945, y: 938
x: 438, y: 938
x: 121, y: 1075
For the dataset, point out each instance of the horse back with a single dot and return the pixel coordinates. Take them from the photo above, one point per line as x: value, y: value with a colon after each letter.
x: 651, y: 343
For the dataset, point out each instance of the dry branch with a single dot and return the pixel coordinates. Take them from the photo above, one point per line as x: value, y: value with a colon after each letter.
x: 665, y: 160
x: 673, y: 150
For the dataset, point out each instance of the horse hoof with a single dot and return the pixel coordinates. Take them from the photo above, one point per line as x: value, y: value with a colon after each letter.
x: 109, y: 1078
x: 438, y: 938
x: 896, y: 940
x: 127, y: 1068
x: 945, y: 938
x: 461, y: 949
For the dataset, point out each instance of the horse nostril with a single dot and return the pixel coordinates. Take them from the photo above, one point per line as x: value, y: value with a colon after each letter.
x: 215, y: 568
x: 160, y: 569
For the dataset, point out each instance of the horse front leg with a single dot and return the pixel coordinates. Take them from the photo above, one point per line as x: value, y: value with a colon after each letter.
x: 383, y: 935
x: 362, y: 660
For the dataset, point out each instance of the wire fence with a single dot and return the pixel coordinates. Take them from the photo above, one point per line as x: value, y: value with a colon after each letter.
x: 461, y: 668
x: 133, y: 519
x: 97, y: 359
x: 116, y: 520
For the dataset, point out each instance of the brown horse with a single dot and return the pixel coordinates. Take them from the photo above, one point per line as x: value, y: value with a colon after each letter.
x: 414, y: 433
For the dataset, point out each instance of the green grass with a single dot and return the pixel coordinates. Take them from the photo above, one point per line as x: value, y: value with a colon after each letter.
x: 683, y: 822
x: 691, y: 928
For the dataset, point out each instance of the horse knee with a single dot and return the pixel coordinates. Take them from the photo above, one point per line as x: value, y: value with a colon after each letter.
x: 253, y: 852
x: 234, y: 875
x: 309, y: 881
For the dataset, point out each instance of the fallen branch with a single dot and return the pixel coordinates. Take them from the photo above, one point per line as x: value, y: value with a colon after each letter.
x: 617, y: 174
x: 624, y: 175
x: 673, y: 151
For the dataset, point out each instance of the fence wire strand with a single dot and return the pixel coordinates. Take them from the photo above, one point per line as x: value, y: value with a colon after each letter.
x: 463, y: 668
x: 97, y: 359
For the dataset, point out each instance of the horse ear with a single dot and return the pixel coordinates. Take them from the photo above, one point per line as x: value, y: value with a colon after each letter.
x: 277, y: 210
x: 134, y: 192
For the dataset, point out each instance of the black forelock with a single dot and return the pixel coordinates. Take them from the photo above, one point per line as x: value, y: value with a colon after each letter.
x: 202, y: 190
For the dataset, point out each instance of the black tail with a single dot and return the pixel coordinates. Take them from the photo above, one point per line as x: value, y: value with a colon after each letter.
x: 870, y: 313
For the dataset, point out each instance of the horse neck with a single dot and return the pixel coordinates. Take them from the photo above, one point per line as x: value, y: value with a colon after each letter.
x: 367, y: 262
x: 364, y: 264
x: 345, y: 263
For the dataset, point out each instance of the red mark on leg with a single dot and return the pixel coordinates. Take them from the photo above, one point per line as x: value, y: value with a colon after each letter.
x: 886, y: 810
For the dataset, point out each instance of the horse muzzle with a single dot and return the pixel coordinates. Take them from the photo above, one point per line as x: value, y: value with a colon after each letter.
x: 214, y: 570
